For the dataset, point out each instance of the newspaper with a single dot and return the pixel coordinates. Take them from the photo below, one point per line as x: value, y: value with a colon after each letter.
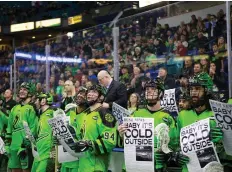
x: 119, y: 112
x: 223, y: 117
x: 195, y: 143
x: 31, y: 138
x: 139, y: 144
x: 2, y: 146
x: 169, y: 101
x: 61, y: 131
x: 64, y: 156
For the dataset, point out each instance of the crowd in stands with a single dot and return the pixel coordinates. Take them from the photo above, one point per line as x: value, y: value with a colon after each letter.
x: 146, y: 50
x: 12, y: 13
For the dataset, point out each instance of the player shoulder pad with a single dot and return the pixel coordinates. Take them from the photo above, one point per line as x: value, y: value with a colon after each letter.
x: 107, y: 118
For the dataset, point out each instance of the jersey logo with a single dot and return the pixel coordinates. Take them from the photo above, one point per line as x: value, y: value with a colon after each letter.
x: 15, y: 122
x: 109, y: 117
x: 94, y: 117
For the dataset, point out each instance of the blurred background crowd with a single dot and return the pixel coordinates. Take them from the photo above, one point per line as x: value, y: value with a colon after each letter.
x: 146, y: 50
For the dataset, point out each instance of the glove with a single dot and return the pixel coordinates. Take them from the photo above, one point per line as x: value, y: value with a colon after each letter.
x: 216, y: 134
x: 22, y: 153
x: 55, y: 141
x: 72, y: 130
x: 82, y: 146
x: 180, y: 158
x: 159, y: 159
x: 26, y: 143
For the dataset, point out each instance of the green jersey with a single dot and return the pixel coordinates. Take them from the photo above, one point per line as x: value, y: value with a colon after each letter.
x: 100, y: 128
x: 230, y: 101
x: 187, y: 117
x: 44, y: 132
x: 3, y: 122
x: 159, y: 117
x: 15, y: 129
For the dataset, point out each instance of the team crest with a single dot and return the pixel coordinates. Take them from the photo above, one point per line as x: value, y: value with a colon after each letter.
x: 109, y: 117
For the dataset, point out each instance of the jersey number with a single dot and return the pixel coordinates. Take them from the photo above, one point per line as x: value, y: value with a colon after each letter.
x: 107, y: 136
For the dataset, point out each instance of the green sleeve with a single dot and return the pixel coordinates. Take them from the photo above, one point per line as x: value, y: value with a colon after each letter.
x: 32, y: 120
x: 10, y: 123
x: 106, y: 141
x: 174, y: 142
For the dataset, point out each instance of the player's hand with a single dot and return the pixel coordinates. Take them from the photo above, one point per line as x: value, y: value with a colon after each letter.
x: 55, y: 141
x: 26, y: 143
x: 160, y: 160
x: 122, y: 129
x: 105, y: 105
x: 216, y: 134
x: 82, y: 146
x: 181, y: 159
x: 22, y: 154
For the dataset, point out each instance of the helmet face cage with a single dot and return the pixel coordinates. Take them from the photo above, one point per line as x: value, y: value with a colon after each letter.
x: 80, y: 97
x: 48, y: 97
x: 100, y: 93
x: 184, y: 102
x: 157, y: 85
x: 30, y: 88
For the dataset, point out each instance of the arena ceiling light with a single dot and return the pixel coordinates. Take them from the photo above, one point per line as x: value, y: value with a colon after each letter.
x: 49, y: 35
x: 0, y: 39
x: 70, y: 34
x: 144, y: 3
x: 33, y: 37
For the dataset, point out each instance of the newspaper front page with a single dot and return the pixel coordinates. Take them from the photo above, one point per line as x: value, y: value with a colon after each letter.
x: 169, y: 101
x: 61, y: 131
x: 119, y: 112
x: 139, y: 144
x: 195, y: 143
x: 2, y: 146
x: 31, y: 138
x: 223, y: 117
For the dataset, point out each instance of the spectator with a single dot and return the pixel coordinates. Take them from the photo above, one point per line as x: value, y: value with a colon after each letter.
x: 115, y: 91
x: 133, y: 102
x: 8, y: 102
x: 197, y: 68
x: 221, y: 44
x: 110, y: 69
x: 137, y: 54
x: 92, y: 77
x: 60, y: 88
x: 170, y: 46
x: 84, y: 79
x: 181, y: 49
x: 183, y: 88
x: 217, y: 57
x: 39, y: 88
x: 169, y: 81
x: 188, y: 67
x: 201, y: 50
x: 68, y: 94
x: 193, y: 21
x: 202, y: 40
x: 149, y: 57
x: 205, y: 64
x: 219, y: 78
x: 125, y: 77
x: 183, y: 41
x: 159, y: 48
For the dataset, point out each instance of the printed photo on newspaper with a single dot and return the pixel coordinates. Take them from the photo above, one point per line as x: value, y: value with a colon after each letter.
x: 195, y: 143
x: 223, y: 117
x: 139, y: 144
x: 169, y: 101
